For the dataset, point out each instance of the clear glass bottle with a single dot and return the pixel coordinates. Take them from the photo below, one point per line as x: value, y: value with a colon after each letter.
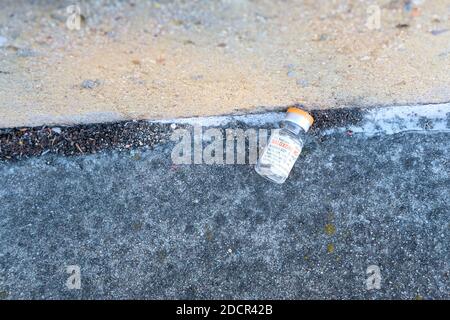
x: 284, y: 146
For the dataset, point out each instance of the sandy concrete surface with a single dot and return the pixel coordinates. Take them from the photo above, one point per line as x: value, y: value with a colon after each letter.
x: 166, y: 59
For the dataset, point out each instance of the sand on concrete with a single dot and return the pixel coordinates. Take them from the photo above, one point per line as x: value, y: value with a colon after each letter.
x: 167, y: 59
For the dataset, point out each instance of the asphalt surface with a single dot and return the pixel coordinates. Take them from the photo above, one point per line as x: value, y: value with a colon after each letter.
x: 140, y: 227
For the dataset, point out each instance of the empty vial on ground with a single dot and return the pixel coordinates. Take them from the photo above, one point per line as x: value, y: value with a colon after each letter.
x: 284, y: 146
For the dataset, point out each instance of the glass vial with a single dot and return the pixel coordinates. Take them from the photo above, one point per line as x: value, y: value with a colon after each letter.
x: 284, y: 146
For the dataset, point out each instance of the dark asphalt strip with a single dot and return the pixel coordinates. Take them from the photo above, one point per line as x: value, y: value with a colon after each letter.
x: 137, y: 226
x: 109, y: 202
x: 23, y: 143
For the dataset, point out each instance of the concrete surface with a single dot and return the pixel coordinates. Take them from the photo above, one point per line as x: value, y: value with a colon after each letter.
x: 140, y: 227
x: 166, y: 59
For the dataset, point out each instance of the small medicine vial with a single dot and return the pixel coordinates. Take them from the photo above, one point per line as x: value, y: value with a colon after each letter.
x: 284, y: 146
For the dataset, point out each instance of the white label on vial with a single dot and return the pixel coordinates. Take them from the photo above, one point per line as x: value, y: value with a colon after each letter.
x: 280, y: 154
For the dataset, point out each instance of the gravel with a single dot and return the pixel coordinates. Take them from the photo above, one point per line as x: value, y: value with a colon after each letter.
x: 25, y: 142
x: 22, y: 143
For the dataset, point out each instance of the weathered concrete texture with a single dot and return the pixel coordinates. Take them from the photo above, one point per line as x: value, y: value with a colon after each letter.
x: 141, y: 228
x: 172, y: 58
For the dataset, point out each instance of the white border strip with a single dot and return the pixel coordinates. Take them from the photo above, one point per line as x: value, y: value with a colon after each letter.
x: 383, y: 120
x: 251, y: 119
x: 391, y: 120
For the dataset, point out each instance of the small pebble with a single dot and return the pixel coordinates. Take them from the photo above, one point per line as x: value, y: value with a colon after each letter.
x: 290, y: 66
x: 197, y: 77
x: 407, y: 6
x: 438, y: 32
x: 402, y: 26
x: 90, y: 84
x: 302, y: 82
x: 436, y: 18
x: 323, y: 37
x: 3, y: 41
x: 25, y: 53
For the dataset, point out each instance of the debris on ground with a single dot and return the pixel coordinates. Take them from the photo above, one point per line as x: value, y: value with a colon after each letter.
x: 3, y: 41
x: 90, y: 84
x: 439, y: 31
x: 20, y: 143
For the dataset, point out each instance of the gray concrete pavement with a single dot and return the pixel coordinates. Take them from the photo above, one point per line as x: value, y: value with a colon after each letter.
x: 140, y: 227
